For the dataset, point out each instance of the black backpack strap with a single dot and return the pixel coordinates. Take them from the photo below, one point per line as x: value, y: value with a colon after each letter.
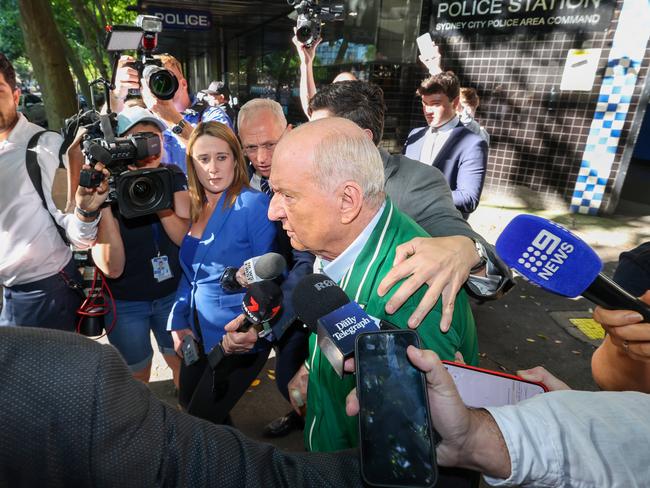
x: 34, y: 172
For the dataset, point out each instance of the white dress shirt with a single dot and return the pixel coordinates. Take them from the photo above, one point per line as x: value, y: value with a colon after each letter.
x: 337, y: 268
x: 435, y: 139
x: 577, y: 439
x: 30, y: 246
x: 255, y: 182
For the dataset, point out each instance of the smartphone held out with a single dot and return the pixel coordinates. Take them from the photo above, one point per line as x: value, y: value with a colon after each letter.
x: 395, y: 430
x: 426, y: 46
x: 484, y: 388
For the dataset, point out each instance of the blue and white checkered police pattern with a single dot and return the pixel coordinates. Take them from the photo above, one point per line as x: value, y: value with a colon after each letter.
x: 611, y: 110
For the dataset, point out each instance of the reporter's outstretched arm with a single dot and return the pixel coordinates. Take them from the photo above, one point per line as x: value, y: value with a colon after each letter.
x: 622, y: 362
x: 470, y: 437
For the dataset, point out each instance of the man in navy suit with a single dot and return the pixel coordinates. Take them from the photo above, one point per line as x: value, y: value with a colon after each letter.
x: 261, y: 124
x: 446, y: 144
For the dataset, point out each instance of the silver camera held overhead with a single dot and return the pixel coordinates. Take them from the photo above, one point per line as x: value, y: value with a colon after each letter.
x: 311, y: 13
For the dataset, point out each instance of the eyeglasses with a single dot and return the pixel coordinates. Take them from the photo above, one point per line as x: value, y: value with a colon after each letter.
x: 269, y: 146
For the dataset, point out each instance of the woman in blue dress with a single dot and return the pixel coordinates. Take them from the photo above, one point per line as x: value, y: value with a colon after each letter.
x: 229, y: 226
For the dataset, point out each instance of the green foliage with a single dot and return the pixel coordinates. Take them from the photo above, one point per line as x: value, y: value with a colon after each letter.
x: 11, y: 37
x: 68, y: 21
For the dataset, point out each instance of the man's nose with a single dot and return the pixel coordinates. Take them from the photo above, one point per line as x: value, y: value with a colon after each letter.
x: 275, y: 211
x: 264, y: 155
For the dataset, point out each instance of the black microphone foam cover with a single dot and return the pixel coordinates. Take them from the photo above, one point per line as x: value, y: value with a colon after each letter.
x: 262, y: 301
x: 315, y: 296
x: 270, y: 266
x: 99, y: 153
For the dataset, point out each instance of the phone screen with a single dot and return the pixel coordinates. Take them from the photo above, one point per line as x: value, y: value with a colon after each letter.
x: 397, y: 447
x: 480, y: 389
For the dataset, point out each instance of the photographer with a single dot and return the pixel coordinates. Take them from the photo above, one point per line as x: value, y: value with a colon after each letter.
x: 219, y: 94
x: 177, y: 114
x: 139, y: 256
x: 36, y: 267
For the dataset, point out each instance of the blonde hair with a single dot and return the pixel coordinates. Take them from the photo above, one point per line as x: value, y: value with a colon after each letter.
x: 169, y: 61
x: 469, y: 97
x: 240, y: 179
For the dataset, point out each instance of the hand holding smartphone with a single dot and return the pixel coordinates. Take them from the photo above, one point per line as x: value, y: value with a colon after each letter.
x: 395, y: 430
x: 429, y: 53
x: 190, y: 350
x: 485, y: 388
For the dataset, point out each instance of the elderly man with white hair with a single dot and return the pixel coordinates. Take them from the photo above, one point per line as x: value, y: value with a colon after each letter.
x: 328, y: 184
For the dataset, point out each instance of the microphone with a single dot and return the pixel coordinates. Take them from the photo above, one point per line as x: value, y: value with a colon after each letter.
x: 261, y: 304
x: 266, y: 267
x: 555, y: 259
x: 325, y: 308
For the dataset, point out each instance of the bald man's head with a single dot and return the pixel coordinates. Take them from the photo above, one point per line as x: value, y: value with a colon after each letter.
x: 329, y: 179
x: 337, y: 149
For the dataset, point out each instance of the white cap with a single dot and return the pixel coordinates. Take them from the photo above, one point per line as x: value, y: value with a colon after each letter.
x: 131, y: 116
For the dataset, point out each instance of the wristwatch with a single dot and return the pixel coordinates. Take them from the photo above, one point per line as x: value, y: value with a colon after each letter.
x: 178, y: 128
x: 482, y: 254
x: 88, y: 214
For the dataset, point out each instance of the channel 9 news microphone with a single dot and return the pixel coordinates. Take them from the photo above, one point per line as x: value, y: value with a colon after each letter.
x: 555, y: 259
x: 260, y: 305
x: 325, y: 308
x: 266, y: 267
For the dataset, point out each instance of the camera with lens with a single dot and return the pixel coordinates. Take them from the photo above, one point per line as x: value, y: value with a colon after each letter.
x: 136, y: 192
x: 311, y: 13
x: 143, y: 37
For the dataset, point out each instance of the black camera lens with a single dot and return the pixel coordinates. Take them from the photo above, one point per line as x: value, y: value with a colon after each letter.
x: 142, y: 192
x: 307, y: 30
x: 162, y: 82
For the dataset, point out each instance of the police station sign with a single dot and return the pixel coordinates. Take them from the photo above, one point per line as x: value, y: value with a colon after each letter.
x: 501, y: 16
x: 182, y: 19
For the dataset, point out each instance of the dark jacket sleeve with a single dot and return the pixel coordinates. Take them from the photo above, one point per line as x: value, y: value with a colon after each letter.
x: 72, y: 415
x: 141, y: 434
x: 303, y: 264
x: 471, y: 175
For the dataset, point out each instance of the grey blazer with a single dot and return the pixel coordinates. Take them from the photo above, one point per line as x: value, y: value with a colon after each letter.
x: 73, y: 416
x: 422, y: 192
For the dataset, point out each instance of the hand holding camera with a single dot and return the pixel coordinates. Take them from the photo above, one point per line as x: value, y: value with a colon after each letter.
x: 89, y: 200
x: 307, y: 53
x: 127, y: 79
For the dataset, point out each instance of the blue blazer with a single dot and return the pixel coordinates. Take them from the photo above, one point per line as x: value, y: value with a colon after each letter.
x: 231, y: 236
x: 463, y: 161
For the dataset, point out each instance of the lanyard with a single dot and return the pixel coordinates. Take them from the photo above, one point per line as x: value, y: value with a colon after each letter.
x: 155, y: 228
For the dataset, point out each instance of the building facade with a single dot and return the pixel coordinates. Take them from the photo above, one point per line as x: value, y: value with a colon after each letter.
x: 563, y: 83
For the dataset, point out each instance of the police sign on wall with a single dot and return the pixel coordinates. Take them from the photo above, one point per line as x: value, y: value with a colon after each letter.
x: 182, y: 19
x: 502, y: 16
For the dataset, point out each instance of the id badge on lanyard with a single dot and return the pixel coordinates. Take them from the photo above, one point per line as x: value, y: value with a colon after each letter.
x: 160, y: 263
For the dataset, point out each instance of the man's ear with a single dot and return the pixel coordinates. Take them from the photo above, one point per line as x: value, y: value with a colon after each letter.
x: 351, y: 201
x: 456, y: 103
x: 289, y: 128
x: 16, y: 96
x: 369, y: 134
x: 182, y: 84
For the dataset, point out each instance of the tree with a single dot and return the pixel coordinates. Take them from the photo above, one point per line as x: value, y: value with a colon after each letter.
x: 44, y: 45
